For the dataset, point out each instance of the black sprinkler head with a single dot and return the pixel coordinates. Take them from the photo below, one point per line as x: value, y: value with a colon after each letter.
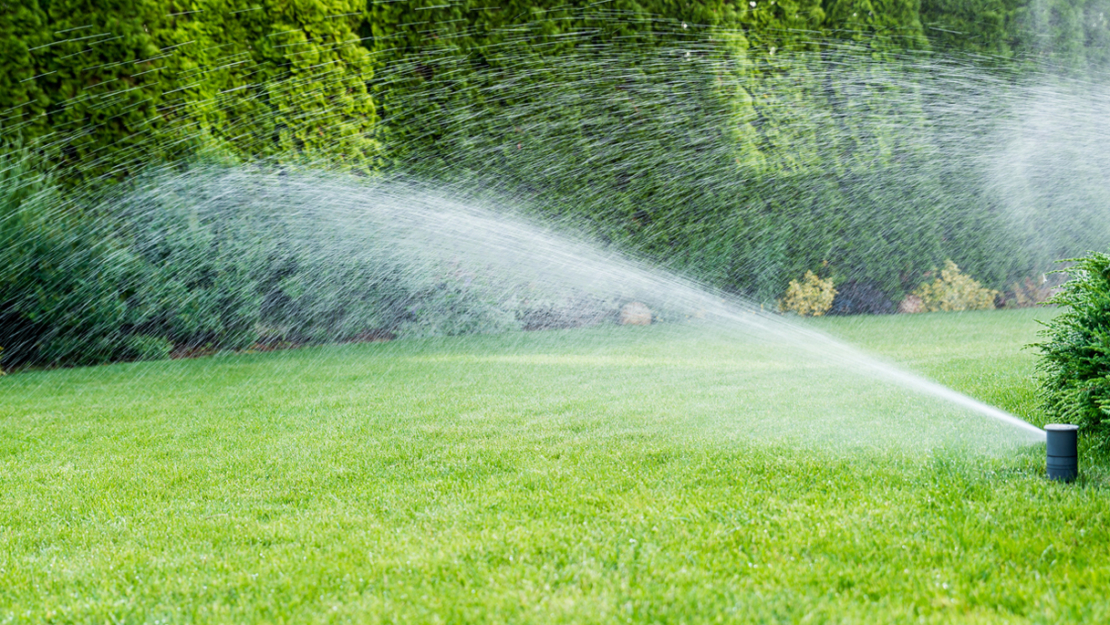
x: 1063, y: 451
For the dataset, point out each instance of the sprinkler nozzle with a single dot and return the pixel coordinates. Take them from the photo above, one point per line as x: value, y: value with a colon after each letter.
x: 1063, y: 451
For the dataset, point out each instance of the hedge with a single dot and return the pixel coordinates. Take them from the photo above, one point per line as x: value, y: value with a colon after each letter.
x: 742, y: 144
x: 120, y: 84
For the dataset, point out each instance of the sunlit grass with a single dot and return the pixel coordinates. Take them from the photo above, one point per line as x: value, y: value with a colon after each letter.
x: 667, y: 474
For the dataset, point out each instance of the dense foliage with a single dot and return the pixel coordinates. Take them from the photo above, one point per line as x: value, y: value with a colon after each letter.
x: 207, y: 262
x: 811, y: 297
x: 743, y: 144
x: 745, y: 163
x: 1075, y: 355
x: 954, y: 291
x: 1068, y: 33
x: 116, y: 85
x: 59, y: 299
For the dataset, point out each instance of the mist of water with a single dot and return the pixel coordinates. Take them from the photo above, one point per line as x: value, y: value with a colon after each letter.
x: 420, y: 235
x: 470, y: 228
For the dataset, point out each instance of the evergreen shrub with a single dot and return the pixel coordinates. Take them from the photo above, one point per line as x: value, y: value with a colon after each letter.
x: 121, y: 84
x: 812, y: 297
x: 861, y: 297
x: 231, y: 259
x: 740, y: 162
x: 60, y: 291
x: 955, y: 291
x: 142, y: 347
x: 212, y: 260
x: 1074, y: 368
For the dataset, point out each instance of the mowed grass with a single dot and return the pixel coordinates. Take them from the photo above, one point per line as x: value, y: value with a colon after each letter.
x: 664, y: 474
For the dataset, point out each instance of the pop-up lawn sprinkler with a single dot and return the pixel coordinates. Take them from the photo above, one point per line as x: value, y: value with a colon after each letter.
x: 1063, y: 451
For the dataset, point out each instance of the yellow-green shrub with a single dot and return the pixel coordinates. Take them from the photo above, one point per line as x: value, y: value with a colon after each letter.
x: 812, y: 297
x: 955, y: 291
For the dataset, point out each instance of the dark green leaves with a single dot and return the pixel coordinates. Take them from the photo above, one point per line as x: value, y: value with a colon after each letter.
x: 1075, y: 364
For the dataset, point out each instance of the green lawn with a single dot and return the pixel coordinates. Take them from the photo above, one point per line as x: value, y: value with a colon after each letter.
x: 663, y: 474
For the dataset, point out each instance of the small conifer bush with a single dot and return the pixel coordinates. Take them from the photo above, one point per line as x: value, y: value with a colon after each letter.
x: 1074, y: 370
x: 812, y: 297
x: 955, y: 291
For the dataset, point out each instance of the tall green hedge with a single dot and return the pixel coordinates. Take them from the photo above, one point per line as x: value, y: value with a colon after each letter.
x: 120, y: 84
x: 743, y: 143
x: 1067, y: 34
x: 745, y: 161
